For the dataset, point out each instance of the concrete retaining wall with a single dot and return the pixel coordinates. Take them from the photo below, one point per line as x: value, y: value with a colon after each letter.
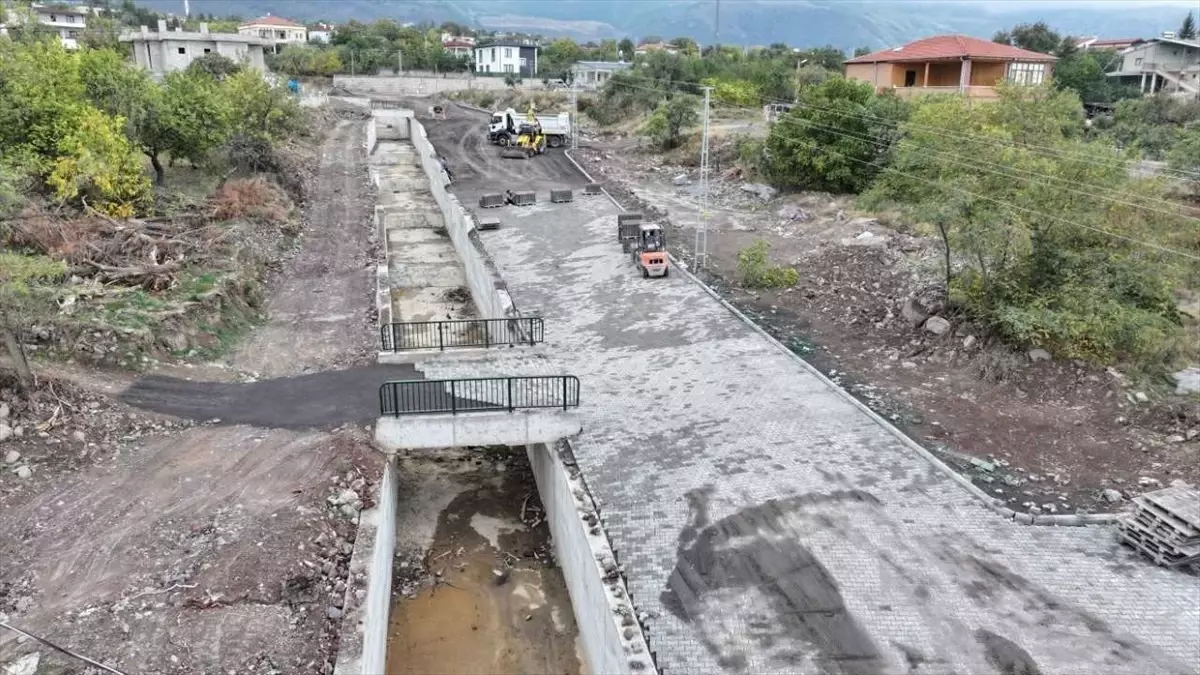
x: 612, y: 638
x: 488, y: 291
x: 417, y: 85
x: 392, y: 125
x: 372, y: 138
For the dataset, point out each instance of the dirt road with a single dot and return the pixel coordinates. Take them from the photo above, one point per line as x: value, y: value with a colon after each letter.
x: 477, y: 165
x: 164, y: 547
x: 322, y: 315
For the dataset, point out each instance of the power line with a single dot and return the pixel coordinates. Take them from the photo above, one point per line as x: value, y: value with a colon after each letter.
x: 1097, y: 230
x: 64, y: 650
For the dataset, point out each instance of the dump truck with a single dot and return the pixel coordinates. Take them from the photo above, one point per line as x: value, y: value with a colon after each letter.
x: 505, y: 125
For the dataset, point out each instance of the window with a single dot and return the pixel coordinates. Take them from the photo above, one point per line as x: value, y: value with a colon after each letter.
x: 910, y: 78
x: 493, y: 54
x: 508, y: 68
x: 522, y: 63
x: 207, y: 50
x: 183, y: 50
x: 1137, y: 62
x: 53, y: 18
x: 1026, y: 73
x: 72, y: 34
x: 507, y: 53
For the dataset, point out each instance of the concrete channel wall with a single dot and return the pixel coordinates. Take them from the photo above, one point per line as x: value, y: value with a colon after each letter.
x: 488, y: 291
x: 419, y: 85
x: 611, y: 634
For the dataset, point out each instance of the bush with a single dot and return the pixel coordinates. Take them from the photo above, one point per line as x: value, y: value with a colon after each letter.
x: 666, y: 125
x: 758, y: 272
x: 214, y: 65
x: 98, y: 163
x: 254, y: 199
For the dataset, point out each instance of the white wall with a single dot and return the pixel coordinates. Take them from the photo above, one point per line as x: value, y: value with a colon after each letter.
x: 608, y: 628
x: 481, y: 272
x: 418, y: 85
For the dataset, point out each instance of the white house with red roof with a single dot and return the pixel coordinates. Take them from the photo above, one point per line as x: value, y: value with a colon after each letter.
x: 275, y: 31
x: 950, y: 63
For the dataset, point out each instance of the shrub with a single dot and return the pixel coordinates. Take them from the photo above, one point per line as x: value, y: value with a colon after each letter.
x: 758, y: 272
x: 254, y: 199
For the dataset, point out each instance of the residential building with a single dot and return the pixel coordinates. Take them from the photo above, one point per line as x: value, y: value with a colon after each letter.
x: 163, y: 51
x: 593, y: 74
x: 275, y: 31
x: 507, y: 56
x: 1110, y: 44
x: 1162, y: 64
x: 321, y: 32
x: 651, y: 47
x: 458, y: 48
x: 65, y: 21
x: 950, y: 64
x: 451, y: 37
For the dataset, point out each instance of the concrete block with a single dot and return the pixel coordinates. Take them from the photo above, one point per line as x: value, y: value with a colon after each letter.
x: 521, y: 427
x: 591, y: 189
x: 490, y: 223
x: 561, y: 196
x: 491, y: 201
x: 522, y: 198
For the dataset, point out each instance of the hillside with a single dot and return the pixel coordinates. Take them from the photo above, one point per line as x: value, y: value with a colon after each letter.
x: 748, y: 22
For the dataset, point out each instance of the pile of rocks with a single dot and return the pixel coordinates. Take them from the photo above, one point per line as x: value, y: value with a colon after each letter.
x: 1165, y: 525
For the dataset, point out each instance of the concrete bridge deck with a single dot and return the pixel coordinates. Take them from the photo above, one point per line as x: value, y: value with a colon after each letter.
x: 768, y: 525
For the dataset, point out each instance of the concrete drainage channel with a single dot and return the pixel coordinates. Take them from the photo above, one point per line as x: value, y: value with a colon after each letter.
x: 480, y: 559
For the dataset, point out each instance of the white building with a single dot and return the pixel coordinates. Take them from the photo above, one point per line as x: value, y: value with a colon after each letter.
x: 163, y: 51
x: 593, y: 74
x: 275, y: 31
x: 510, y: 56
x: 459, y: 49
x: 321, y: 32
x: 66, y: 22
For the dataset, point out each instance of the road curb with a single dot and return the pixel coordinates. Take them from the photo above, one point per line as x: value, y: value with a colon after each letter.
x: 995, y: 505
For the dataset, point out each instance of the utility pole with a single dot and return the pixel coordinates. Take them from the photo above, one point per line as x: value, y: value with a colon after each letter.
x: 574, y: 116
x: 351, y: 62
x: 399, y: 62
x: 701, y: 254
x: 717, y: 37
x: 187, y: 10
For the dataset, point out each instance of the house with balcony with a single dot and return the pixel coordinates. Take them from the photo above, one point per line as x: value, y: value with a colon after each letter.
x: 1106, y: 44
x: 275, y: 31
x: 458, y: 48
x: 505, y: 56
x: 67, y: 22
x: 593, y: 74
x: 1166, y: 64
x: 949, y: 64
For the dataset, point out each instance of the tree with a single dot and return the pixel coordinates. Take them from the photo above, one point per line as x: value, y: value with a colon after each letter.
x: 1036, y: 37
x: 836, y: 138
x: 24, y: 294
x: 216, y: 66
x: 686, y: 46
x: 98, y: 163
x: 1187, y: 31
x: 511, y: 80
x: 259, y: 109
x: 102, y: 32
x: 861, y: 51
x: 625, y: 49
x: 667, y: 123
x: 1006, y: 209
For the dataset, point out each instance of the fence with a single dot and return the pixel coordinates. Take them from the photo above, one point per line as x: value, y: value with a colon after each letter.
x: 416, y: 397
x: 442, y: 335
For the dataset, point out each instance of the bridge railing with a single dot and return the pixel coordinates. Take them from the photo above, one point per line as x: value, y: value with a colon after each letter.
x: 442, y: 335
x: 485, y: 394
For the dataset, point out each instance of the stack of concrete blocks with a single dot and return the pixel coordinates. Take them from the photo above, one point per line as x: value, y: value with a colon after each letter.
x: 591, y: 189
x: 1165, y: 526
x: 627, y: 229
x: 522, y: 198
x: 492, y: 200
x: 561, y: 196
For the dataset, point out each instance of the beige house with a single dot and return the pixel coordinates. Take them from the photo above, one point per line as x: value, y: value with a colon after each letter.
x: 275, y: 31
x: 950, y: 64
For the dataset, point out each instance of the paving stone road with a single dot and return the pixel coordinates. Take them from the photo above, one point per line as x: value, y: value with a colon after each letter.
x: 767, y: 525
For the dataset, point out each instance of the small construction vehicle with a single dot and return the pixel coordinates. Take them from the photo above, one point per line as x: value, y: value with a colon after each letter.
x: 504, y: 128
x: 530, y: 140
x: 649, y: 251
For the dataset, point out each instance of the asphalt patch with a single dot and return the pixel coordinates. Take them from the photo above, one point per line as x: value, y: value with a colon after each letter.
x: 321, y: 400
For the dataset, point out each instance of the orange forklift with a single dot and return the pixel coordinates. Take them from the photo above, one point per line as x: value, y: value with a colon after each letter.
x: 645, y: 242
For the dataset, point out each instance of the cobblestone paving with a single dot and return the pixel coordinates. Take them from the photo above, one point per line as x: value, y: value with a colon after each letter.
x: 767, y: 525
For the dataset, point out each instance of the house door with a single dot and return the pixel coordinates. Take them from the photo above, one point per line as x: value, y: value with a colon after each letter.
x: 910, y: 78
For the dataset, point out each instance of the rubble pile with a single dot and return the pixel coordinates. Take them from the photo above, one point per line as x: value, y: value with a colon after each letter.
x: 1165, y: 525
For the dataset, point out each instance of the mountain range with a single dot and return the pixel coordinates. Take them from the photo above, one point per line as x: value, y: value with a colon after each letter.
x: 802, y: 23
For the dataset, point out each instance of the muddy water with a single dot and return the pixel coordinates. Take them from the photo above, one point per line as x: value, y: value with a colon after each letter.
x: 489, y: 598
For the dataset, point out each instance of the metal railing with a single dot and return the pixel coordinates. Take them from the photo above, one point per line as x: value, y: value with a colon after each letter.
x: 442, y: 335
x: 485, y: 394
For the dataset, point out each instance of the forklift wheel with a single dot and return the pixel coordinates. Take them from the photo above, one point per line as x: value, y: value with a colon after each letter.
x: 645, y: 273
x: 667, y: 272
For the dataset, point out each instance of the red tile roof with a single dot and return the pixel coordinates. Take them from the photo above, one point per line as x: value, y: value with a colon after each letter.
x: 947, y: 47
x: 457, y: 43
x: 273, y: 21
